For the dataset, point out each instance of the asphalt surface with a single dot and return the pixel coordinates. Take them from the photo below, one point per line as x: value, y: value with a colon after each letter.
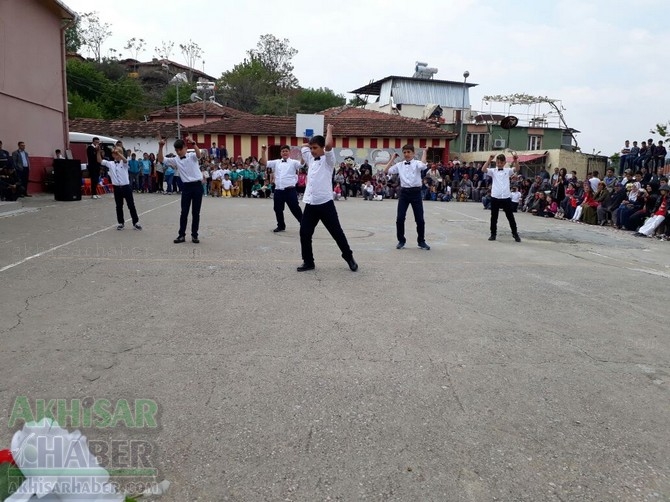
x: 476, y: 371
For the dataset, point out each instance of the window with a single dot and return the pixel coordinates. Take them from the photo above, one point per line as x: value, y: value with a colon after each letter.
x: 476, y: 142
x: 534, y: 142
x: 435, y: 154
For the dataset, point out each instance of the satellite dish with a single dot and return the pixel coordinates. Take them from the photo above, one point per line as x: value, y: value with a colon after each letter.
x: 509, y: 122
x: 195, y: 97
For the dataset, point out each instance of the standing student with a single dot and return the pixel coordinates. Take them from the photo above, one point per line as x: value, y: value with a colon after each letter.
x: 191, y: 179
x: 319, y: 206
x: 501, y: 193
x: 409, y: 172
x: 93, y: 165
x: 285, y: 178
x: 118, y: 173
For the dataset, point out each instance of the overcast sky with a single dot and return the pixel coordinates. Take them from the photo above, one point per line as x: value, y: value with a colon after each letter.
x: 605, y: 59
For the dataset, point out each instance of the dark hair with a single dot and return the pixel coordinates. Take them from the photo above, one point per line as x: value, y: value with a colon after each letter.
x: 284, y: 147
x: 408, y: 147
x: 94, y: 138
x: 179, y: 144
x: 318, y: 140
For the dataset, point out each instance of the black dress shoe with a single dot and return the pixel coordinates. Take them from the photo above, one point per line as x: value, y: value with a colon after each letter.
x: 179, y: 240
x: 195, y: 240
x: 492, y: 238
x: 306, y: 266
x: 279, y: 229
x: 352, y: 264
x: 517, y: 238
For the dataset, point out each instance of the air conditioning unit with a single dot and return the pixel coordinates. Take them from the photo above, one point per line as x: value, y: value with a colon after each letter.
x: 498, y: 144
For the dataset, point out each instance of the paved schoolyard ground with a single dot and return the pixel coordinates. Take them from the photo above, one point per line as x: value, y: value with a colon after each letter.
x: 476, y: 371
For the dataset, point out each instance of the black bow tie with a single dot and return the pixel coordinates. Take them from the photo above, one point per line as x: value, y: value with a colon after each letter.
x: 500, y: 168
x: 407, y: 162
x: 317, y: 158
x: 182, y: 158
x: 283, y: 160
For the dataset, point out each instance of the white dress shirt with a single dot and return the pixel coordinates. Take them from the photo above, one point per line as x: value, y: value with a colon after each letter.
x: 118, y: 172
x: 227, y: 184
x: 409, y: 172
x: 187, y: 167
x: 319, y: 189
x: 217, y: 175
x: 285, y: 171
x: 500, y: 178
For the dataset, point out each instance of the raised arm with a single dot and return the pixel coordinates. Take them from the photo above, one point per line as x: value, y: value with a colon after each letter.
x: 424, y: 156
x: 264, y: 159
x: 121, y: 153
x: 329, y: 137
x: 515, y: 163
x: 195, y: 147
x: 487, y: 164
x: 159, y: 155
x: 98, y: 152
x: 390, y: 162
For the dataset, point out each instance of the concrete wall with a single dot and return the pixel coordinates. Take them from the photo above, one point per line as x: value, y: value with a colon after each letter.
x: 31, y: 82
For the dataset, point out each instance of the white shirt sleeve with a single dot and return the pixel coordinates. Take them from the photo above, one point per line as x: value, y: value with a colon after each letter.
x: 330, y: 158
x: 421, y: 165
x: 306, y: 154
x: 394, y: 169
x: 170, y: 162
x: 106, y: 163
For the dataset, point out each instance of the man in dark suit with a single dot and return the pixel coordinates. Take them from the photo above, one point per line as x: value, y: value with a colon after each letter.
x: 214, y: 152
x: 93, y: 165
x: 5, y: 158
x: 21, y: 161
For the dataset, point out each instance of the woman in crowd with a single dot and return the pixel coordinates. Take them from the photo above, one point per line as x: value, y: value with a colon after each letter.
x: 628, y: 207
x: 589, y: 206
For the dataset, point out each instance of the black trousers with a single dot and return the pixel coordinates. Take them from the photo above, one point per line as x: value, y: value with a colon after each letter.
x: 506, y: 206
x: 122, y: 193
x: 407, y: 197
x: 311, y: 217
x: 94, y: 176
x: 246, y: 187
x: 24, y: 177
x: 191, y: 195
x: 288, y: 196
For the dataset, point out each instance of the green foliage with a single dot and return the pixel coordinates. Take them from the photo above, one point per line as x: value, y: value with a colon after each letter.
x: 94, y: 94
x: 316, y: 100
x: 81, y: 108
x: 85, y: 80
x: 275, y: 56
x: 170, y: 96
x: 615, y: 158
x: 245, y: 85
x: 73, y: 38
x: 661, y: 130
x: 357, y: 101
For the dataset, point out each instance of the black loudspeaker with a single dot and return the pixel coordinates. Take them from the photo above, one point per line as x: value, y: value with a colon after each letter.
x: 67, y: 179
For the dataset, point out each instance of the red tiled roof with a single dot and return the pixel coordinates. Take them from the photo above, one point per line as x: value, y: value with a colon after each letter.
x: 196, y: 110
x: 124, y: 128
x: 347, y: 121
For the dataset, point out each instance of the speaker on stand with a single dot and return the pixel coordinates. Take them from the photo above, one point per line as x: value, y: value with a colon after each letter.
x: 67, y: 179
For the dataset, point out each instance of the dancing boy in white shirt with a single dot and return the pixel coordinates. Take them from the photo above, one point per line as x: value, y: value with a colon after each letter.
x: 118, y: 172
x: 186, y: 164
x: 284, y: 176
x: 501, y: 193
x: 319, y: 206
x: 409, y: 172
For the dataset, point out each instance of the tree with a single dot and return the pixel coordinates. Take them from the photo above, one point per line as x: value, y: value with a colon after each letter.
x: 85, y: 80
x: 135, y: 46
x: 81, y: 108
x: 316, y: 100
x: 661, y: 130
x: 245, y: 85
x: 73, y: 38
x: 93, y: 33
x: 164, y: 50
x: 357, y: 101
x: 123, y: 99
x: 275, y: 55
x: 170, y: 97
x: 192, y: 52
